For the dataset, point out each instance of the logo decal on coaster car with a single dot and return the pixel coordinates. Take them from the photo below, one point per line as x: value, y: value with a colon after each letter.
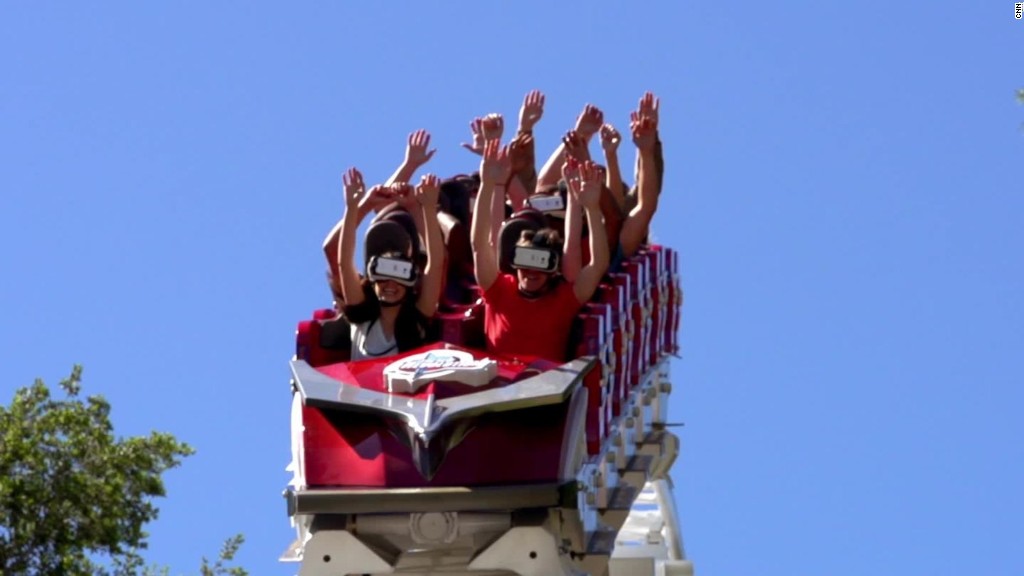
x: 409, y: 373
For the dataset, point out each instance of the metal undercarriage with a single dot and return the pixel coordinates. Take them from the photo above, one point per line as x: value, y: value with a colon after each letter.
x: 614, y: 517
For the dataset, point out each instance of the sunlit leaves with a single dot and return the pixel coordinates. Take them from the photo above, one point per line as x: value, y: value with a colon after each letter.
x: 71, y: 493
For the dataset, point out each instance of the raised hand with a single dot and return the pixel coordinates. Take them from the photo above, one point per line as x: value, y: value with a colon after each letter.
x: 519, y: 152
x: 355, y: 190
x: 610, y: 138
x: 648, y: 108
x: 476, y: 127
x: 376, y: 198
x: 571, y: 175
x: 416, y: 151
x: 403, y: 195
x: 495, y: 166
x: 576, y: 145
x: 531, y: 110
x: 644, y: 132
x: 428, y: 190
x: 590, y: 185
x: 492, y: 126
x: 589, y: 121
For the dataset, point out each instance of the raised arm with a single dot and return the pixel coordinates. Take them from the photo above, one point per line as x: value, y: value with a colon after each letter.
x: 406, y: 199
x: 549, y: 173
x: 572, y: 255
x: 494, y: 168
x: 587, y: 124
x: 477, y: 145
x: 517, y: 194
x: 636, y: 226
x: 524, y: 163
x: 355, y: 192
x: 416, y: 155
x: 379, y: 198
x: 492, y: 127
x: 649, y: 107
x: 430, y: 292
x: 531, y: 111
x: 610, y: 140
x: 524, y: 172
x: 589, y: 192
x: 575, y: 145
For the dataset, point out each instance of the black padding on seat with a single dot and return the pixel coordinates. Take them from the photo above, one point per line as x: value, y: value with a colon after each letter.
x: 459, y: 268
x: 387, y: 235
x: 335, y: 334
x: 455, y: 200
x: 400, y: 216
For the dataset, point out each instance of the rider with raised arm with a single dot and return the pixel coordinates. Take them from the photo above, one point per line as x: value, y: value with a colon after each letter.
x: 390, y: 307
x: 531, y: 312
x: 417, y: 153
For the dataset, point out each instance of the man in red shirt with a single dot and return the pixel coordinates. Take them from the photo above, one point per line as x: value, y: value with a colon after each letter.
x: 531, y: 312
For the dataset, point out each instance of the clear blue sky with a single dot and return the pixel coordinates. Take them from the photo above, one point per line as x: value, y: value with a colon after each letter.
x: 843, y: 181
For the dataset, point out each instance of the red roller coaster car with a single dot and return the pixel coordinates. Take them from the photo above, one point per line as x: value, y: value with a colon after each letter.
x: 448, y: 460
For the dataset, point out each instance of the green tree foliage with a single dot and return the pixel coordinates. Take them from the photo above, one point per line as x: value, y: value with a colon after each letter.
x: 217, y: 568
x: 227, y: 554
x: 72, y: 495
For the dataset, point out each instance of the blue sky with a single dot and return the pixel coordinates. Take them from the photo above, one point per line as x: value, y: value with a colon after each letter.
x: 843, y: 182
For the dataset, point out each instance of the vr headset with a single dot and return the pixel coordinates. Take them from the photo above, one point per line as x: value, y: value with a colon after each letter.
x: 385, y: 268
x: 552, y: 204
x: 543, y: 259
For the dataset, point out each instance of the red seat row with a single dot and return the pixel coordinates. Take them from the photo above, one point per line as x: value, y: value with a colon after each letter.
x: 630, y: 324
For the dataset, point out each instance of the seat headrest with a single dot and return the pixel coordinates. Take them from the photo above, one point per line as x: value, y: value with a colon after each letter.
x: 393, y: 231
x: 387, y: 235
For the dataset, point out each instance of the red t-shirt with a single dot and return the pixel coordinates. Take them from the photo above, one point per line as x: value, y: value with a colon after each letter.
x: 539, y: 326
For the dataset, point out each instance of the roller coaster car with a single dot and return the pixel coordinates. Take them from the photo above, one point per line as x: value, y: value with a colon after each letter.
x: 449, y: 460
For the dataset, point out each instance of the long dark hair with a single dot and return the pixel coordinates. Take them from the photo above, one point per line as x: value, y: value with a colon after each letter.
x: 412, y: 328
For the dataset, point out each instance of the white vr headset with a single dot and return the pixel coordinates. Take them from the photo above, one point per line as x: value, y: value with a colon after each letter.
x: 547, y: 203
x: 384, y: 268
x: 543, y: 259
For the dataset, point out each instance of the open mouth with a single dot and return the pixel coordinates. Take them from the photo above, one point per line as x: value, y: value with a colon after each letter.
x: 389, y: 291
x: 532, y: 281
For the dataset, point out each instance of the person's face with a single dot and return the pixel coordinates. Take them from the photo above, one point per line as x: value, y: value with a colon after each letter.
x: 532, y: 281
x: 389, y: 291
